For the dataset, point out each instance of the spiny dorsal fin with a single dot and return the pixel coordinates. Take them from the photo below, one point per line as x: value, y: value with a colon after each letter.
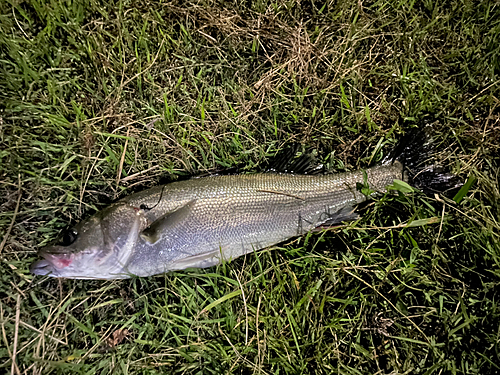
x: 293, y: 159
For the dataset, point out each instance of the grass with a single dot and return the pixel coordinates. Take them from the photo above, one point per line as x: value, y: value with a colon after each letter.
x: 99, y: 99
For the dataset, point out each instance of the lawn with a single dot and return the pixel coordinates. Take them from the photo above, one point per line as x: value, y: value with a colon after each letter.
x: 99, y: 99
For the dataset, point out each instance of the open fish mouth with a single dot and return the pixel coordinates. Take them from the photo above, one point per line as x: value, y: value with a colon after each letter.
x: 54, y: 260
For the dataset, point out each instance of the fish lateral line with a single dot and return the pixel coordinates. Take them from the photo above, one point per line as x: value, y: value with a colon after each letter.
x: 281, y: 193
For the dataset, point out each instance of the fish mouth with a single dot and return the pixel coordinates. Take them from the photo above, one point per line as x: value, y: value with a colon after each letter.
x: 42, y: 268
x: 53, y: 261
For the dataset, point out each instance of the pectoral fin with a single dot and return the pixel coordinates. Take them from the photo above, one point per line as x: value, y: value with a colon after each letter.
x: 154, y: 232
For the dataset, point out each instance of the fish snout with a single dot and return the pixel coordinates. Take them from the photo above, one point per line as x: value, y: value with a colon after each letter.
x: 55, y: 258
x: 42, y: 268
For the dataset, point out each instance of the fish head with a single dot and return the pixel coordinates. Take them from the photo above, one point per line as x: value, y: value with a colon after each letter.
x: 96, y: 248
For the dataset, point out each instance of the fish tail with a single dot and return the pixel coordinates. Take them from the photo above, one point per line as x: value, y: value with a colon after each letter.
x: 418, y: 152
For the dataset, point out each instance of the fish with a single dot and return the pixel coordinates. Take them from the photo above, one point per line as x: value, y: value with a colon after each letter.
x: 201, y: 222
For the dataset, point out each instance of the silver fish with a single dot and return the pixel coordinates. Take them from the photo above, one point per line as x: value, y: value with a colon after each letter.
x: 202, y: 221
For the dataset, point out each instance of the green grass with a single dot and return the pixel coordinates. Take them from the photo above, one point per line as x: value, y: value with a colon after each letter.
x: 102, y: 99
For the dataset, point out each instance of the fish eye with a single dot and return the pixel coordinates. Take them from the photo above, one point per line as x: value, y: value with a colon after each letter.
x: 69, y: 237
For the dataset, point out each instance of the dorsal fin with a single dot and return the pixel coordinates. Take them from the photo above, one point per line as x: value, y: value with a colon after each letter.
x: 295, y: 159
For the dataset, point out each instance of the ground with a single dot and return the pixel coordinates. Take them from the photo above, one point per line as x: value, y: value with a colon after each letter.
x: 99, y: 99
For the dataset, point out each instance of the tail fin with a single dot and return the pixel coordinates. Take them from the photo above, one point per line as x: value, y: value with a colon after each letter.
x: 417, y: 152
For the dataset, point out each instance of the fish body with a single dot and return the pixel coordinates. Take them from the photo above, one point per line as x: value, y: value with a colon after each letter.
x: 202, y: 221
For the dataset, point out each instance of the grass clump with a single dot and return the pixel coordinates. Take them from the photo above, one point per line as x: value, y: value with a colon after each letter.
x: 99, y: 99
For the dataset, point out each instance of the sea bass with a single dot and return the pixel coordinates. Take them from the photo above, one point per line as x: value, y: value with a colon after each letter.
x: 203, y: 221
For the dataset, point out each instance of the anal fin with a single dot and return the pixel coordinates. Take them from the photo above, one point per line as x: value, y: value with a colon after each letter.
x: 347, y: 213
